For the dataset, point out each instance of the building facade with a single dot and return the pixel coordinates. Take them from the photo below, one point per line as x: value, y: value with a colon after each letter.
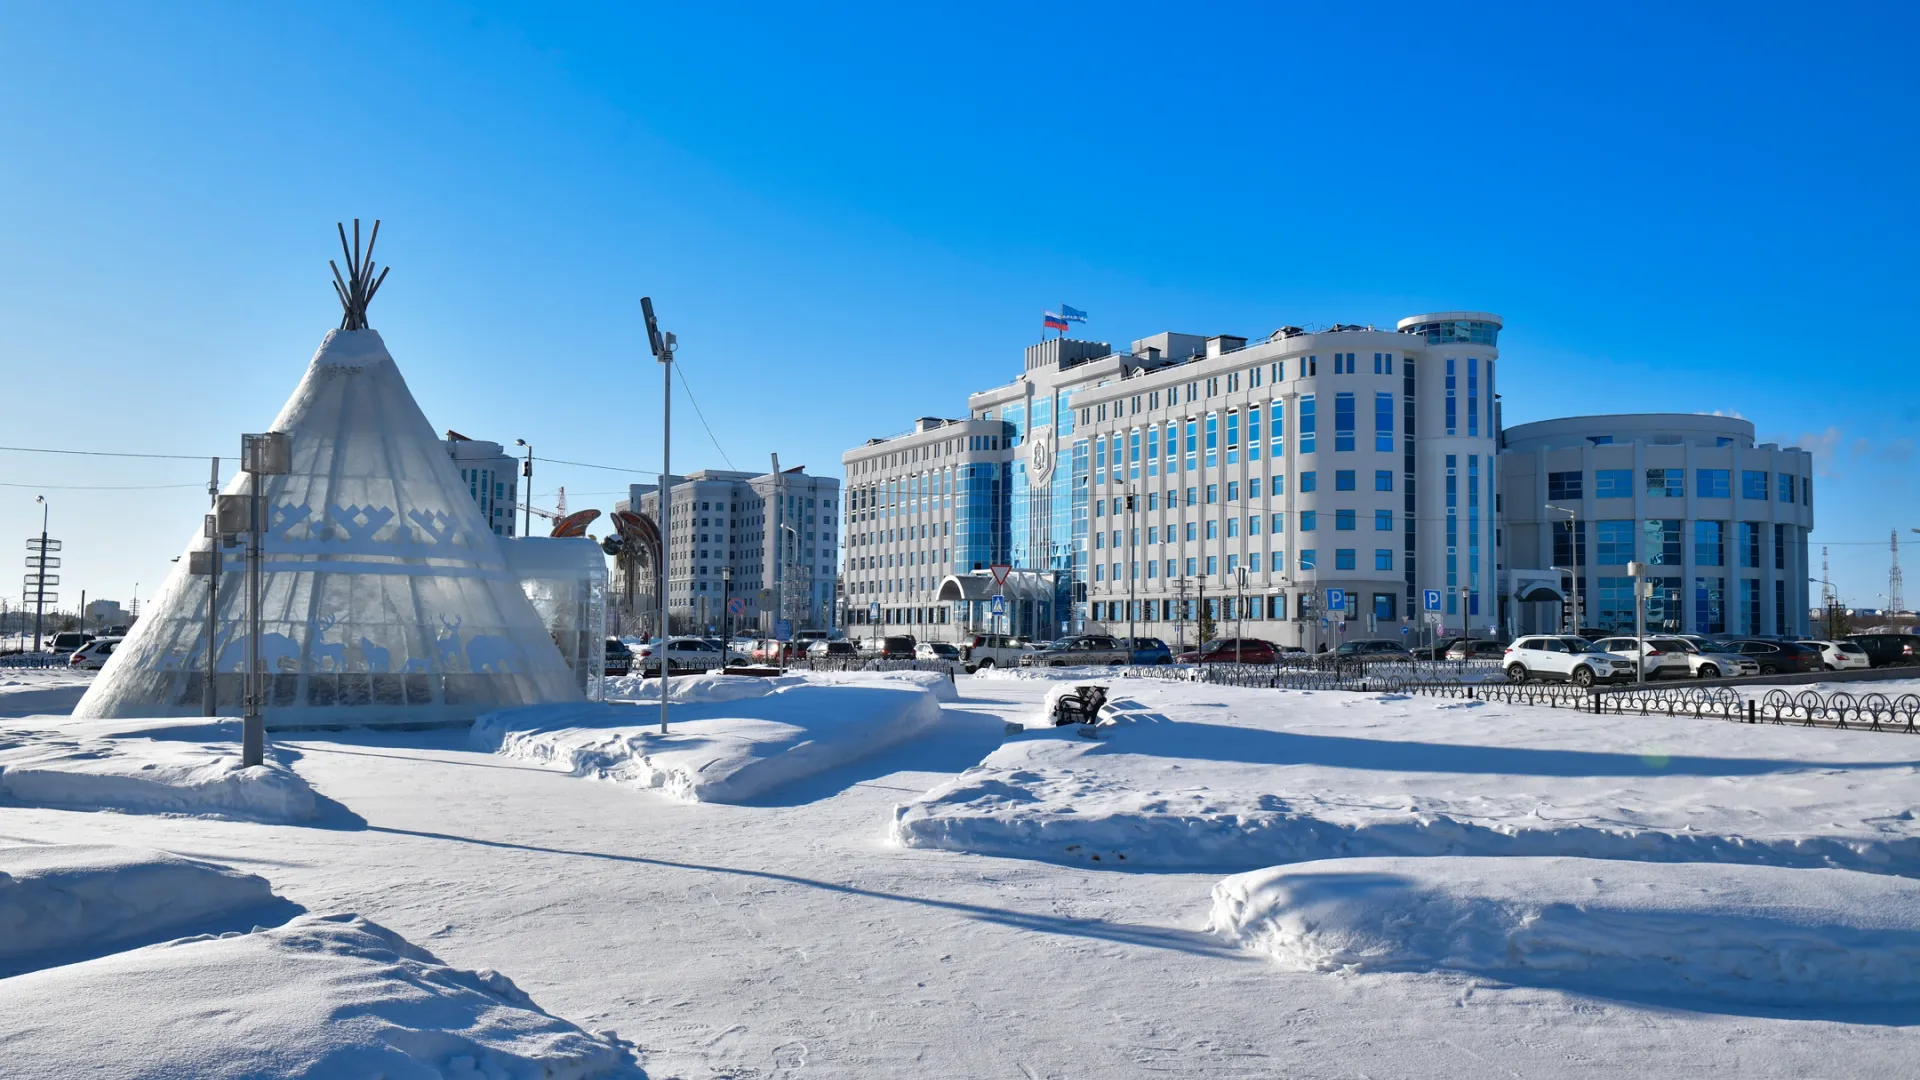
x: 1721, y: 523
x: 776, y: 534
x: 1308, y: 486
x: 492, y: 478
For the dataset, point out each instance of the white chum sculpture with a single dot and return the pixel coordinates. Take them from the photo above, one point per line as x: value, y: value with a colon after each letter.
x: 387, y: 599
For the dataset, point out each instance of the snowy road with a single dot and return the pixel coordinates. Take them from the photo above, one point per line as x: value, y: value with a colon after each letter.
x: 785, y: 939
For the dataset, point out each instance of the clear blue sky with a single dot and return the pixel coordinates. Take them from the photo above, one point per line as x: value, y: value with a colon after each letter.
x: 855, y: 219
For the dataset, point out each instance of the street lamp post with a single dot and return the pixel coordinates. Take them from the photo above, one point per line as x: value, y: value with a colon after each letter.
x: 1132, y: 644
x: 526, y: 486
x: 265, y: 454
x: 726, y: 601
x: 1573, y: 557
x: 1642, y: 592
x: 40, y: 572
x: 1239, y: 609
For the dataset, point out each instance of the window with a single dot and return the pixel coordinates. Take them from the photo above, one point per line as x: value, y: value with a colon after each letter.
x: 1253, y: 524
x: 1309, y: 520
x: 1343, y: 559
x: 1383, y: 558
x: 1233, y: 491
x: 1193, y: 493
x: 1753, y: 485
x: 1343, y: 421
x: 1563, y: 485
x: 1309, y: 558
x: 1615, y: 539
x: 1343, y: 520
x: 1709, y: 605
x: 1569, y: 544
x: 1193, y: 530
x: 1666, y: 483
x: 1253, y: 487
x: 1383, y: 603
x: 1662, y: 537
x: 1383, y: 521
x: 1749, y: 547
x: 1383, y: 422
x: 1383, y: 363
x: 1277, y: 524
x: 1213, y: 494
x: 1613, y: 603
x: 1750, y: 598
x: 1383, y: 479
x: 1806, y: 491
x: 1710, y: 544
x: 1307, y: 433
x: 1309, y: 481
x: 1786, y: 487
x: 1613, y: 483
x: 1711, y: 483
x: 1343, y: 480
x: 1213, y: 564
x: 1779, y: 547
x: 1213, y: 530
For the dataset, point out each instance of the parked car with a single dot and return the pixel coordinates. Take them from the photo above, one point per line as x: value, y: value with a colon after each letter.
x: 1708, y: 658
x: 805, y: 638
x: 993, y: 650
x: 1777, y: 657
x: 1885, y: 649
x: 619, y: 660
x: 1437, y: 650
x: 1085, y: 649
x: 1231, y: 651
x: 685, y: 654
x: 833, y: 650
x: 937, y: 650
x: 1484, y: 649
x: 1663, y: 657
x: 1372, y: 651
x: 92, y: 656
x: 891, y: 647
x: 1839, y: 655
x: 775, y: 651
x: 68, y: 642
x: 1151, y: 650
x: 1565, y: 657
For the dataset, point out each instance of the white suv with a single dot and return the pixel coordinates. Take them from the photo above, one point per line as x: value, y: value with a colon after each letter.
x: 1663, y: 657
x: 1837, y: 655
x: 1569, y: 658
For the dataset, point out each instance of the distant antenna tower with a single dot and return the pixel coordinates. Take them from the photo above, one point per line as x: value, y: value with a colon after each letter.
x: 1895, y: 601
x: 1828, y: 598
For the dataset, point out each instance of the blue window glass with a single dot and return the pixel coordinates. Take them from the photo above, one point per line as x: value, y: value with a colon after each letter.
x: 1383, y: 559
x: 1615, y: 543
x: 1309, y: 558
x: 1452, y: 415
x: 1786, y: 487
x: 1709, y: 543
x: 1383, y: 422
x: 1343, y: 480
x: 1667, y: 483
x: 1307, y: 432
x: 1277, y: 429
x: 1343, y: 558
x: 1473, y: 395
x: 1343, y: 421
x: 1343, y: 520
x: 1309, y: 520
x: 1613, y: 483
x: 1309, y: 481
x: 1383, y: 479
x: 1711, y: 483
x: 1753, y: 485
x: 1383, y: 521
x: 1253, y: 433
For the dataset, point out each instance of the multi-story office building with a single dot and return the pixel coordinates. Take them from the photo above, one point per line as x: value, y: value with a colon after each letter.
x: 492, y: 478
x: 775, y: 531
x: 1261, y: 482
x: 1721, y: 523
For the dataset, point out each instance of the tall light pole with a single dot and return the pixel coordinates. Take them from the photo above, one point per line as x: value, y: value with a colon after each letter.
x: 663, y: 346
x: 1239, y: 609
x: 1132, y: 644
x: 264, y: 454
x: 526, y: 486
x: 1642, y: 592
x: 726, y: 598
x: 1573, y: 558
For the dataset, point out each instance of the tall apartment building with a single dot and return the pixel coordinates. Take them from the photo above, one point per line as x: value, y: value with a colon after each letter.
x: 775, y: 531
x: 492, y: 478
x: 1721, y: 523
x: 1267, y: 482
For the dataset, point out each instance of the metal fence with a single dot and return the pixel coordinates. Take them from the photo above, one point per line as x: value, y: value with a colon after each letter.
x: 1805, y: 708
x: 855, y: 663
x: 33, y: 660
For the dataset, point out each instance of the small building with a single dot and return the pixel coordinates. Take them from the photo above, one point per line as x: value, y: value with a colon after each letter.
x: 491, y: 476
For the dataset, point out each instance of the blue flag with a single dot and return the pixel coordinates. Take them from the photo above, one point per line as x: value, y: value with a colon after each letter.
x: 1072, y: 314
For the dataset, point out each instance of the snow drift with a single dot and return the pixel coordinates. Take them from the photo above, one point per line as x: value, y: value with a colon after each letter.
x: 323, y: 996
x: 718, y: 751
x: 156, y: 766
x: 1741, y: 933
x: 714, y: 686
x: 62, y: 902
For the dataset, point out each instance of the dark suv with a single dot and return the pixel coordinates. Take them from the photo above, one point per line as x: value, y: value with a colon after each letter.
x: 1886, y: 649
x: 1777, y: 657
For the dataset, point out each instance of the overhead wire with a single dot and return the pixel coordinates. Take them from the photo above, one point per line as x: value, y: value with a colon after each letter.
x: 682, y: 369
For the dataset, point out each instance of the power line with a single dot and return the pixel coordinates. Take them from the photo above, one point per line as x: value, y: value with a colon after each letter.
x: 590, y: 465
x: 104, y: 453
x: 703, y: 416
x: 98, y: 487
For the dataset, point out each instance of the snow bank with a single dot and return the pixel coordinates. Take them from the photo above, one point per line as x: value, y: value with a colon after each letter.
x: 31, y: 691
x: 1745, y: 933
x: 157, y: 766
x: 322, y: 996
x: 725, y: 751
x: 715, y: 687
x: 1193, y: 776
x: 61, y: 902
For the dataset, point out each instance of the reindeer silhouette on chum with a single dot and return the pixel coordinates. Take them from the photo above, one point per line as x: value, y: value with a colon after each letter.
x: 484, y: 652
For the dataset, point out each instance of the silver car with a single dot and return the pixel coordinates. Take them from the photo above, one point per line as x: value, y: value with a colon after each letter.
x: 1708, y: 659
x: 1103, y: 649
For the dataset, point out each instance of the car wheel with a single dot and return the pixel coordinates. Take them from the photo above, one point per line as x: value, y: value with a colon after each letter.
x: 1516, y: 673
x: 1164, y: 660
x: 1769, y: 669
x: 1583, y: 676
x: 984, y: 664
x: 1709, y: 671
x: 1826, y: 667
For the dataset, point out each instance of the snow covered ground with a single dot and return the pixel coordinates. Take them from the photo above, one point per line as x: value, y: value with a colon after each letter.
x: 791, y: 939
x: 733, y: 737
x: 322, y: 996
x: 1194, y: 776
x: 1672, y: 932
x: 28, y: 691
x: 145, y: 766
x: 65, y: 902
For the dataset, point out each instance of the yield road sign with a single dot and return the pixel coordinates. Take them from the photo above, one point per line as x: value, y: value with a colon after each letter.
x: 1432, y: 597
x: 1000, y: 572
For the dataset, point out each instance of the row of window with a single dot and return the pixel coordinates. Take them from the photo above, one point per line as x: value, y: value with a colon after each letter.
x: 1672, y: 484
x: 1276, y: 522
x: 1667, y: 609
x: 1659, y: 541
x: 1252, y: 608
x: 1254, y: 378
x: 1151, y: 569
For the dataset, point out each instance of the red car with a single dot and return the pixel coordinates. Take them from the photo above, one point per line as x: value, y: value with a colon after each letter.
x: 1250, y: 651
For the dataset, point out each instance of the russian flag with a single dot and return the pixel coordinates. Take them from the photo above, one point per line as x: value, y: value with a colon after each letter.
x: 1055, y: 322
x: 1072, y: 314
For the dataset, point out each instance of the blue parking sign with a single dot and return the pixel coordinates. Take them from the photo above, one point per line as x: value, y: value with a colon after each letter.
x: 1336, y: 599
x: 1432, y: 597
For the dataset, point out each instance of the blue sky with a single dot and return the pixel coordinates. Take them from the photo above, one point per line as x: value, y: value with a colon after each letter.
x: 855, y: 218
